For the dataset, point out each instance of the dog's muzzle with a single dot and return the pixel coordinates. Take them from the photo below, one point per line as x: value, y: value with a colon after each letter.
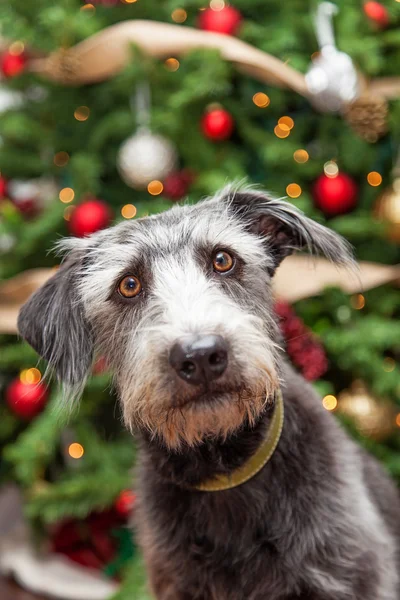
x: 199, y: 359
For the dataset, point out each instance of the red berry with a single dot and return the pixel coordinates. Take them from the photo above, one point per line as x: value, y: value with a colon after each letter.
x: 125, y: 502
x: 377, y: 13
x: 12, y: 64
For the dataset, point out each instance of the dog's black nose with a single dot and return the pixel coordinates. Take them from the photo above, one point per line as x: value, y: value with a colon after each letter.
x: 199, y: 359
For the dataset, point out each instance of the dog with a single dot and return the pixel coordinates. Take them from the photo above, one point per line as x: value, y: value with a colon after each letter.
x: 248, y: 488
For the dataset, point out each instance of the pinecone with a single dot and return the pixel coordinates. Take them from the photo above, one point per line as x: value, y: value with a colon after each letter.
x: 368, y: 117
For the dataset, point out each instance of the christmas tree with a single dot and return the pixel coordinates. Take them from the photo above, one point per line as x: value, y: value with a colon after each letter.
x: 80, y: 150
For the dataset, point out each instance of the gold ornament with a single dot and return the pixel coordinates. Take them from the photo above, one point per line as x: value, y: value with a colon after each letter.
x: 388, y: 209
x: 367, y: 116
x: 374, y: 417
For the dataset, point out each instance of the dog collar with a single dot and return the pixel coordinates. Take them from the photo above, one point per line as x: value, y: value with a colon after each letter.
x: 257, y: 461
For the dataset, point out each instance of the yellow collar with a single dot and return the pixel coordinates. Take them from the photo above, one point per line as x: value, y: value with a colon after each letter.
x: 255, y: 462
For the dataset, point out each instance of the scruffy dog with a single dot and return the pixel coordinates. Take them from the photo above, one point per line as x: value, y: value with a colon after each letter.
x: 235, y: 502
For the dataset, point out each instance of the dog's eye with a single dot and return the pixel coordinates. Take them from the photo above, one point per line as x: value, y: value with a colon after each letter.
x: 129, y: 286
x: 222, y: 261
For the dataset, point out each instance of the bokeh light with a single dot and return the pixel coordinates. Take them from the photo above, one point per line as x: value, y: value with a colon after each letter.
x: 329, y: 402
x: 374, y: 178
x: 281, y: 133
x: 16, y: 48
x: 398, y: 416
x: 61, y: 159
x: 217, y: 4
x: 301, y: 156
x: 68, y: 212
x: 172, y: 64
x: 155, y: 187
x: 29, y: 376
x: 128, y: 211
x: 82, y: 113
x: 66, y: 195
x: 389, y: 364
x: 88, y: 8
x: 261, y: 100
x: 357, y: 301
x: 76, y: 450
x: 331, y: 169
x: 179, y: 15
x: 286, y: 123
x: 293, y: 190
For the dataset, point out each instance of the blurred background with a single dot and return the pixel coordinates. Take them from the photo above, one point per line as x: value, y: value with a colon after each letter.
x: 99, y: 125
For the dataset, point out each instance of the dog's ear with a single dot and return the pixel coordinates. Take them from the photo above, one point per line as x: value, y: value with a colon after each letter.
x: 52, y: 321
x: 286, y: 229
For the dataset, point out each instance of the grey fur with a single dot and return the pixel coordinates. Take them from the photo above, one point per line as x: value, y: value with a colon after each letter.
x: 321, y: 519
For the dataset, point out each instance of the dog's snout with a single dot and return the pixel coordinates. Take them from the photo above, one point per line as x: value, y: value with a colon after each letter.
x: 199, y: 359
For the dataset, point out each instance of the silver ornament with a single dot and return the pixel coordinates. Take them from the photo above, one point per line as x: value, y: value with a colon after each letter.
x: 146, y: 156
x: 332, y: 79
x: 41, y: 190
x: 9, y: 100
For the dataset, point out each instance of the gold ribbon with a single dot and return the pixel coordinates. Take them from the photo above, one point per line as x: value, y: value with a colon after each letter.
x: 257, y: 461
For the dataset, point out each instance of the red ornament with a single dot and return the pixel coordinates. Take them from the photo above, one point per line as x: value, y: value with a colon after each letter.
x: 88, y: 217
x: 176, y: 184
x: 217, y: 124
x: 125, y: 502
x: 26, y: 400
x: 227, y: 20
x: 12, y: 65
x: 377, y: 13
x: 335, y: 195
x: 3, y: 187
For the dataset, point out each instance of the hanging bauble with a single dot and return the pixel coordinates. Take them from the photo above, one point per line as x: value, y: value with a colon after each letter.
x: 335, y: 195
x: 125, y: 502
x: 3, y: 187
x: 31, y: 196
x: 26, y: 400
x: 88, y: 217
x: 9, y: 100
x: 146, y: 156
x: 217, y: 124
x: 387, y: 209
x: 11, y: 64
x: 176, y: 185
x: 377, y: 13
x: 373, y: 417
x: 332, y: 78
x: 224, y: 19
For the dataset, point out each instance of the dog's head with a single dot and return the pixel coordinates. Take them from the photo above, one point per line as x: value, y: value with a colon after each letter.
x: 180, y: 305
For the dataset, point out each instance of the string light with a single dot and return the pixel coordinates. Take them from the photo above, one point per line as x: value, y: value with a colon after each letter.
x: 281, y: 133
x: 82, y: 113
x: 76, y: 450
x: 155, y: 187
x: 357, y: 301
x: 286, y: 123
x: 68, y: 212
x: 172, y: 64
x: 329, y: 402
x: 29, y: 376
x: 128, y: 211
x: 217, y: 4
x: 331, y: 169
x: 374, y: 178
x: 88, y: 8
x: 66, y: 195
x: 16, y: 48
x: 293, y: 190
x: 301, y: 156
x: 61, y: 159
x: 389, y: 364
x: 179, y: 15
